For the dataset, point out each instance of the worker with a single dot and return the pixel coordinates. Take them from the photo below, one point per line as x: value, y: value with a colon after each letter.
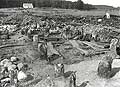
x: 107, y: 15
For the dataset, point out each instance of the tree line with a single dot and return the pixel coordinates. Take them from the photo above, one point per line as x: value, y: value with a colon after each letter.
x: 47, y: 3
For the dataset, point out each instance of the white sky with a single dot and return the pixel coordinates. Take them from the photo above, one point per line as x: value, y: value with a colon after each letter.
x: 115, y: 3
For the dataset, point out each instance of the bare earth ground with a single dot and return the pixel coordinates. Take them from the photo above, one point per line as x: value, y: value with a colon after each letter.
x: 54, y: 11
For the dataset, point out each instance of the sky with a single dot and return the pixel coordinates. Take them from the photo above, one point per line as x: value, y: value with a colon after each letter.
x: 115, y: 3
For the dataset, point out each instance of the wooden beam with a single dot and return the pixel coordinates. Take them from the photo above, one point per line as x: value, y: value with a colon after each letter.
x: 10, y: 45
x: 93, y: 45
x: 76, y: 45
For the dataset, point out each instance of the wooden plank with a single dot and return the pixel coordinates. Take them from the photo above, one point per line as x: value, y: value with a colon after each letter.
x: 96, y: 53
x: 86, y: 53
x: 10, y: 45
x: 93, y: 45
x: 76, y: 45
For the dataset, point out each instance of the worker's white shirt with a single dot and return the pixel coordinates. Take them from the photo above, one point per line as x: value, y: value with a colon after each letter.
x: 107, y: 15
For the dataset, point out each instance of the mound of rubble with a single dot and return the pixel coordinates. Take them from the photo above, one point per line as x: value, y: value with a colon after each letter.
x: 59, y: 29
x: 12, y: 71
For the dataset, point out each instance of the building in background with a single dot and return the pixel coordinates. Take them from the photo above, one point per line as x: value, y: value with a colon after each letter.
x: 27, y: 5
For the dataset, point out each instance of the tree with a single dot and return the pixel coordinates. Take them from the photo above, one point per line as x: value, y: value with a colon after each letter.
x: 79, y: 5
x: 47, y: 3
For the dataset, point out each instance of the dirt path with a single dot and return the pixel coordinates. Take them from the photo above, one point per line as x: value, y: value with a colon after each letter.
x: 87, y: 71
